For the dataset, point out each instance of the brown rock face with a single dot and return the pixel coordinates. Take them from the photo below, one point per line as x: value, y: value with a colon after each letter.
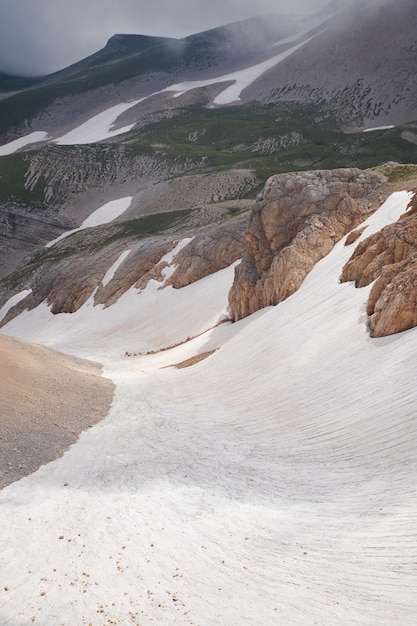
x: 390, y: 259
x: 295, y: 222
x: 211, y: 250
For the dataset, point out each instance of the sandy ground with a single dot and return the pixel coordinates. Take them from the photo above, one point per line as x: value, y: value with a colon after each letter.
x: 47, y: 400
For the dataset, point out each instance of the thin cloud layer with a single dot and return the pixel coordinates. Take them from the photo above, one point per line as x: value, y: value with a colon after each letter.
x: 42, y: 37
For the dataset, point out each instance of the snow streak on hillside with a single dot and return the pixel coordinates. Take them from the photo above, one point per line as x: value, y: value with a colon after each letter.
x: 22, y: 142
x: 99, y: 127
x: 271, y: 483
x: 103, y: 215
x: 241, y: 79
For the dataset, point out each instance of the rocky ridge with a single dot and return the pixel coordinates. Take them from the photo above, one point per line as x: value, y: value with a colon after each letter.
x: 296, y: 221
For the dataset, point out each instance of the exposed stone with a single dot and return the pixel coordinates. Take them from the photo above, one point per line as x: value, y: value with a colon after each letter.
x: 142, y: 265
x: 209, y: 251
x: 47, y: 400
x: 354, y: 235
x: 389, y: 258
x: 392, y: 303
x: 295, y: 222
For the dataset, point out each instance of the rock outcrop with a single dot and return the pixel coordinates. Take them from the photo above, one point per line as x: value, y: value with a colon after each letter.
x: 295, y: 222
x: 211, y: 250
x: 389, y: 258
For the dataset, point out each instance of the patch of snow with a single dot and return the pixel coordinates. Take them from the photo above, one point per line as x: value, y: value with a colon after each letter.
x: 103, y: 215
x: 170, y: 268
x: 139, y: 321
x: 272, y: 483
x: 389, y: 212
x: 11, y: 302
x: 99, y: 127
x: 241, y: 78
x: 112, y: 270
x: 14, y: 146
x: 369, y: 130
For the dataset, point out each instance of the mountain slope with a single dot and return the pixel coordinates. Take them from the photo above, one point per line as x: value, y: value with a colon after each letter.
x: 262, y: 484
x: 349, y: 85
x: 32, y: 378
x: 254, y: 472
x: 352, y: 80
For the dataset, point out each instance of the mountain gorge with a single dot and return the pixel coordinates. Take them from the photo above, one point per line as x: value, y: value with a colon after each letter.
x: 223, y: 226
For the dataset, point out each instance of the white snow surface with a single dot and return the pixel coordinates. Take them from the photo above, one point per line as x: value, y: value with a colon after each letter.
x: 11, y: 302
x: 14, y: 146
x: 113, y: 269
x: 99, y: 127
x: 241, y: 79
x: 103, y: 215
x: 370, y: 130
x: 272, y: 483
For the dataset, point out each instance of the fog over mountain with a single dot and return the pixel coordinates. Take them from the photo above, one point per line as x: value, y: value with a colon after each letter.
x: 42, y: 37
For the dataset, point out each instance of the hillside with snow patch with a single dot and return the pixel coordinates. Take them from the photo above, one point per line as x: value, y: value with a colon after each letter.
x: 256, y: 472
x: 272, y: 482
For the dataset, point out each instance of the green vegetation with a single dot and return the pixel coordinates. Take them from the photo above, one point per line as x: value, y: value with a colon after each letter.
x: 12, y: 181
x: 266, y: 139
x: 232, y: 137
x: 146, y: 226
x: 396, y: 172
x: 14, y: 83
x: 163, y: 56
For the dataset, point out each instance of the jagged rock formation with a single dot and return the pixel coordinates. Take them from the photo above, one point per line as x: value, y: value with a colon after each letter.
x: 193, y: 190
x: 389, y: 258
x: 22, y: 230
x: 295, y: 222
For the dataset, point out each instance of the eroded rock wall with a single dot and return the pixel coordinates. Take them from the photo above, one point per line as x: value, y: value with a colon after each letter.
x: 296, y: 221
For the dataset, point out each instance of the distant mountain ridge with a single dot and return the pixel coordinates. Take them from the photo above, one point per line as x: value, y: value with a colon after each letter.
x: 349, y: 64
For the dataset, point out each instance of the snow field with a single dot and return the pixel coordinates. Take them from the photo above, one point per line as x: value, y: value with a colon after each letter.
x: 11, y: 302
x: 369, y: 130
x: 241, y: 79
x: 99, y: 127
x: 27, y: 140
x: 272, y: 483
x: 103, y: 215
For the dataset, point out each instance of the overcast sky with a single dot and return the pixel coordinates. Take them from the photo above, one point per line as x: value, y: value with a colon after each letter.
x: 41, y: 36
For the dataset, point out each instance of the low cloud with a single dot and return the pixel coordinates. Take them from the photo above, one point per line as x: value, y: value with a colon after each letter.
x: 42, y: 37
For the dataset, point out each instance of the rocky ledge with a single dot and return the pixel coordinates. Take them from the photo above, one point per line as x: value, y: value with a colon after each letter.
x: 295, y: 222
x: 389, y: 258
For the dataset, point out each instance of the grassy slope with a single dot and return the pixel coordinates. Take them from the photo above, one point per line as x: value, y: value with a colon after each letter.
x: 226, y: 138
